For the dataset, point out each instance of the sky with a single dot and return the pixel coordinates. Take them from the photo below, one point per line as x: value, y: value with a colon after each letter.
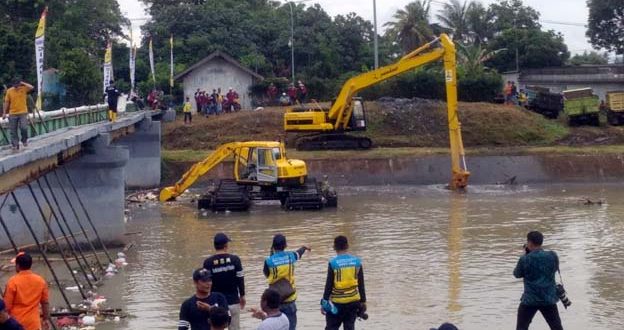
x: 571, y: 13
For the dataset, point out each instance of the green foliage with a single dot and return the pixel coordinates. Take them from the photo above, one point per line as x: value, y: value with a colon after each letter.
x: 590, y: 58
x: 536, y: 49
x: 411, y: 26
x: 428, y: 83
x: 513, y: 14
x: 605, y: 27
x: 454, y: 16
x: 76, y: 36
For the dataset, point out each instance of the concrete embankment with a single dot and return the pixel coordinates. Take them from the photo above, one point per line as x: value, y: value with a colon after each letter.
x: 435, y: 169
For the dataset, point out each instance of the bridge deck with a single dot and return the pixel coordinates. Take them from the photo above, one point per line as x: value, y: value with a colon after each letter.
x: 46, y: 151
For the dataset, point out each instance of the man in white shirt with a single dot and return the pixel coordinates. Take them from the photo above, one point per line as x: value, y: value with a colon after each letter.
x: 271, y: 316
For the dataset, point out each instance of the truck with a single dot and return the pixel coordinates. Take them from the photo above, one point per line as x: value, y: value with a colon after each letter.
x: 581, y: 106
x: 615, y: 108
x: 544, y: 102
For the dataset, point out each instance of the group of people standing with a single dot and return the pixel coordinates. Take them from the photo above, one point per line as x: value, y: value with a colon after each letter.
x: 215, y: 103
x: 220, y: 289
x: 292, y: 95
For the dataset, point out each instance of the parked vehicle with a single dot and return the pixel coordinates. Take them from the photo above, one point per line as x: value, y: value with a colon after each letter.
x: 615, y: 108
x: 581, y: 106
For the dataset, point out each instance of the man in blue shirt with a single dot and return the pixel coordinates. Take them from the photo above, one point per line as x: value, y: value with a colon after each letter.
x: 195, y: 311
x: 6, y: 321
x: 537, y: 268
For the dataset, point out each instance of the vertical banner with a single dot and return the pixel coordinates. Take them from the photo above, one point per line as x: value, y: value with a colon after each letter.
x: 171, y: 65
x: 39, y: 51
x: 108, y: 65
x: 151, y: 58
x: 133, y: 52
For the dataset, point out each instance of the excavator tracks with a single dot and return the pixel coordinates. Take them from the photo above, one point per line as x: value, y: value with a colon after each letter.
x: 228, y: 196
x: 333, y: 142
x: 305, y: 197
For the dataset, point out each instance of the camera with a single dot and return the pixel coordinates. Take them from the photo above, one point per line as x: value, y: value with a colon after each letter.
x: 526, y: 248
x: 361, y: 312
x: 561, y: 293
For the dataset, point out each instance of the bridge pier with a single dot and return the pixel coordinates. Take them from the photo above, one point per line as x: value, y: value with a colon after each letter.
x: 143, y: 168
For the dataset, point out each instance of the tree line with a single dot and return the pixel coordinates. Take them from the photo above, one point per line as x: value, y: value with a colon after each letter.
x: 328, y: 50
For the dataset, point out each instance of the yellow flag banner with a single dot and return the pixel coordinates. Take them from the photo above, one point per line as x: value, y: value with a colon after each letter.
x: 108, y: 65
x: 39, y: 51
x: 171, y: 64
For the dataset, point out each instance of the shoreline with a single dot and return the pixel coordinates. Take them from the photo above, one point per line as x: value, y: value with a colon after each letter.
x: 381, y: 166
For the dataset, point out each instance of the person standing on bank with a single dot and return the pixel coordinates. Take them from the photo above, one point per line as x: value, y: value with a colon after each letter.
x: 15, y: 107
x: 279, y: 269
x: 537, y: 268
x: 195, y: 311
x: 112, y: 96
x: 269, y: 312
x: 227, y: 277
x: 25, y: 293
x: 344, y: 287
x: 186, y: 109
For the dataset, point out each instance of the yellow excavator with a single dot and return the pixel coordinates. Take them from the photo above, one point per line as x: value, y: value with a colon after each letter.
x: 329, y: 127
x: 261, y: 172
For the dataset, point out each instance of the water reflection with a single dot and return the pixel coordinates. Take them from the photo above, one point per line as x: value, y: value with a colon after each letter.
x: 429, y: 255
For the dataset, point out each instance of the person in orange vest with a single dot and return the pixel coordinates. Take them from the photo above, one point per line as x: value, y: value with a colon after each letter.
x: 25, y: 293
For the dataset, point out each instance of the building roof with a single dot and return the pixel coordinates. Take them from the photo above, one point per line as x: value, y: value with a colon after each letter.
x: 212, y: 56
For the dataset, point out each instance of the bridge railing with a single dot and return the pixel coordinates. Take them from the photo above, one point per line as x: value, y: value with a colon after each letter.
x: 43, y: 122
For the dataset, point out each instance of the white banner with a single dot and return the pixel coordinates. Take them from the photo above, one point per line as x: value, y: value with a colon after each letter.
x: 108, y: 65
x: 39, y: 53
x: 132, y: 67
x: 151, y: 58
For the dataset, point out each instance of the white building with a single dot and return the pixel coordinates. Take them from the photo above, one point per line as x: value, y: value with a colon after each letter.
x: 219, y: 70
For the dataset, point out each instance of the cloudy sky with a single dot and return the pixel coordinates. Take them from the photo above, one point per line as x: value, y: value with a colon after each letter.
x: 566, y: 16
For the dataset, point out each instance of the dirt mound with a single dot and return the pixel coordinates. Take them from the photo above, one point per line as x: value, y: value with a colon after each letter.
x: 423, y: 123
x: 208, y: 133
x: 400, y: 123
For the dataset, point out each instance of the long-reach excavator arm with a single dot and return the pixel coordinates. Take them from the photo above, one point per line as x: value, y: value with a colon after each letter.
x: 198, y: 170
x: 340, y: 117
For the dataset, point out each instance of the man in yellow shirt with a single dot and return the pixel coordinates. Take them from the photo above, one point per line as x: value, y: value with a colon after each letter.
x: 16, y: 108
x: 187, y: 111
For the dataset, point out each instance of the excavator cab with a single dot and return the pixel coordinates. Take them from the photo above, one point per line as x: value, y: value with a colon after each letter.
x: 257, y: 165
x: 358, y: 115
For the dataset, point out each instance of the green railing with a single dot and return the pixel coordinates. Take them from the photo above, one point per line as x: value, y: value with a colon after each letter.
x: 49, y: 121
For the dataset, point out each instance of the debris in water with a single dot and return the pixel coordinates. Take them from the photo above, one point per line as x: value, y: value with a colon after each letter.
x: 587, y: 201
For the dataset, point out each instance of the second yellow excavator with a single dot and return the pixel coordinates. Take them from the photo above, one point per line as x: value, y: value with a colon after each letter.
x: 329, y: 127
x: 261, y: 172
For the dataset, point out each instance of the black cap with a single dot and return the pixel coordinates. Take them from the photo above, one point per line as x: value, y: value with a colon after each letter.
x: 446, y: 326
x: 202, y: 274
x: 221, y: 239
x: 279, y: 240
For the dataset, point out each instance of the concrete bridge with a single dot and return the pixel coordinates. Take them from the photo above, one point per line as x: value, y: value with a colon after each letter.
x: 77, y: 167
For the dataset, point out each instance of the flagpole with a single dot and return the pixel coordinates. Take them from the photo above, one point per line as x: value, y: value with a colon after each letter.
x: 171, y: 67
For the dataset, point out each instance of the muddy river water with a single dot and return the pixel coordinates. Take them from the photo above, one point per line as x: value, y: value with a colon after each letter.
x: 429, y: 255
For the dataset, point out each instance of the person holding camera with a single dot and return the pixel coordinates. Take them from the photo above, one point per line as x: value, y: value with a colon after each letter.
x: 344, y: 298
x: 537, y: 268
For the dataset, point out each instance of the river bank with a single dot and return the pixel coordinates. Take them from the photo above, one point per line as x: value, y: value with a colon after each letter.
x: 432, y: 165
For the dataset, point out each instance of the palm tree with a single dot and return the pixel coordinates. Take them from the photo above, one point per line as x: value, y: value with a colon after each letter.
x: 479, y: 23
x: 473, y: 57
x: 454, y: 17
x: 411, y: 25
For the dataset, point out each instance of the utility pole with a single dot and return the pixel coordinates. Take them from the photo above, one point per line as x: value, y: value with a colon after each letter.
x: 376, y: 41
x: 292, y: 42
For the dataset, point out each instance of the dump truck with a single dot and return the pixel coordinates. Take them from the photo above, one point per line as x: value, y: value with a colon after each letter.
x: 581, y: 106
x: 615, y: 108
x: 542, y: 101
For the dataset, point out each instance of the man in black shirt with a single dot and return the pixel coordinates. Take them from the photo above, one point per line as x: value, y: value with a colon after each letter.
x: 195, y: 311
x: 112, y: 95
x: 227, y: 277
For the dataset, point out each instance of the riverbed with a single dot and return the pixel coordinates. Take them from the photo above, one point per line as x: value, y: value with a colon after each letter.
x: 429, y: 255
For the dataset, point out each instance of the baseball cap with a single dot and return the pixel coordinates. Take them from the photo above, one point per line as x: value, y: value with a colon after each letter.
x: 221, y: 238
x: 202, y: 274
x: 279, y: 240
x: 446, y: 326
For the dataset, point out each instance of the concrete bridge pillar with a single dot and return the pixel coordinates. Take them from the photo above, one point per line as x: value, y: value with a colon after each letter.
x: 98, y: 176
x: 143, y: 168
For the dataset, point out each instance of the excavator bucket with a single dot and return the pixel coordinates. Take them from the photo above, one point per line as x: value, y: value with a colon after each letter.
x: 167, y: 194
